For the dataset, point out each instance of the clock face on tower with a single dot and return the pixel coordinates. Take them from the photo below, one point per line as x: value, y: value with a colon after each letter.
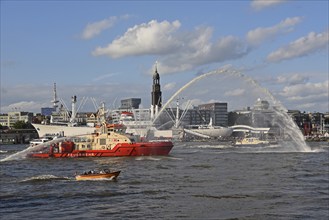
x: 157, y: 87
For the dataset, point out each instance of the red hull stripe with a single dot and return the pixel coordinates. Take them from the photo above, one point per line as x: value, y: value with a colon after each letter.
x: 137, y: 149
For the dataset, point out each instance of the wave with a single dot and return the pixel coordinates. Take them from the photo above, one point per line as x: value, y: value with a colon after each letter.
x: 282, y: 147
x: 213, y: 146
x: 149, y: 158
x: 319, y: 150
x: 175, y: 158
x: 236, y: 196
x: 3, y: 151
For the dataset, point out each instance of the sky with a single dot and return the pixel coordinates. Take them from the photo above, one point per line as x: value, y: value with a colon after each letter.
x: 107, y: 50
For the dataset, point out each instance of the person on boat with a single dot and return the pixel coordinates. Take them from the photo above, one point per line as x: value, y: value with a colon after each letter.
x: 107, y: 171
x: 51, y: 150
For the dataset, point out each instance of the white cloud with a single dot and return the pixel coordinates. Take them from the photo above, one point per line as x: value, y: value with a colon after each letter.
x: 259, y: 35
x: 235, y: 92
x: 306, y: 105
x: 309, y: 102
x: 295, y: 91
x: 304, y: 46
x: 41, y: 95
x: 29, y: 106
x: 179, y: 51
x: 105, y: 76
x: 199, y: 50
x: 150, y: 38
x: 307, y: 90
x: 292, y: 79
x: 261, y: 4
x: 169, y: 86
x: 95, y: 28
x: 16, y: 97
x: 196, y: 102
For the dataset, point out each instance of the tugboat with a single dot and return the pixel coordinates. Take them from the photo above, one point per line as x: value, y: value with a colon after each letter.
x: 109, y: 141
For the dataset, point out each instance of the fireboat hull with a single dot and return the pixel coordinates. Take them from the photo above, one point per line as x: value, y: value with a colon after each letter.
x: 120, y: 150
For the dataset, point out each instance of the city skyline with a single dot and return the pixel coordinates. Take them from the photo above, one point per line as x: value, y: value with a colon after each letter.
x: 99, y: 49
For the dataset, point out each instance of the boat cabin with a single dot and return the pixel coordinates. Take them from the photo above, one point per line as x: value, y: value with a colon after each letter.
x: 106, y: 138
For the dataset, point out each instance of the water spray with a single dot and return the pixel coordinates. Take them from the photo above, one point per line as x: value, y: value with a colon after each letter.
x: 290, y: 127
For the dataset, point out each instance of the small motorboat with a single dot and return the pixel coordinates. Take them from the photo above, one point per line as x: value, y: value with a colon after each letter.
x: 251, y: 141
x: 38, y: 141
x: 44, y: 139
x: 92, y: 175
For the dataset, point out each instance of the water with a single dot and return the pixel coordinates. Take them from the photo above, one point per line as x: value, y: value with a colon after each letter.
x: 196, y: 181
x: 252, y: 88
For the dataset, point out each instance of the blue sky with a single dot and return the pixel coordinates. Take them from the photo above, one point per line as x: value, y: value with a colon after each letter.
x: 107, y: 49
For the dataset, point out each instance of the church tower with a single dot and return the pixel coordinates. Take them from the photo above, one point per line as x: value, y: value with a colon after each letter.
x: 156, y: 91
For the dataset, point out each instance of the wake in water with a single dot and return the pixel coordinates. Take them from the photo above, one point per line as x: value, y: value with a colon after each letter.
x: 45, y: 178
x: 149, y: 158
x: 35, y: 149
x: 29, y: 150
x: 281, y: 147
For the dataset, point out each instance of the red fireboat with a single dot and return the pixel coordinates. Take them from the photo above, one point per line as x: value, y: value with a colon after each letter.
x: 109, y: 141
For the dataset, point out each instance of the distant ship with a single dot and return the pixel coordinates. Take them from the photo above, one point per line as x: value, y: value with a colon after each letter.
x: 67, y: 130
x: 209, y: 131
x: 64, y: 123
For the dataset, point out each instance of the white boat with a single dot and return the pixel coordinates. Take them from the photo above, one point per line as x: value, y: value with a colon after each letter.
x: 137, y: 121
x: 38, y: 141
x: 71, y: 127
x: 209, y: 131
x: 214, y: 132
x: 251, y: 141
x: 44, y: 139
x: 65, y: 129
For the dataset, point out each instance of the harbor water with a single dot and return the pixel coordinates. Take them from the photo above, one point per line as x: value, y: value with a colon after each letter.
x: 196, y: 181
